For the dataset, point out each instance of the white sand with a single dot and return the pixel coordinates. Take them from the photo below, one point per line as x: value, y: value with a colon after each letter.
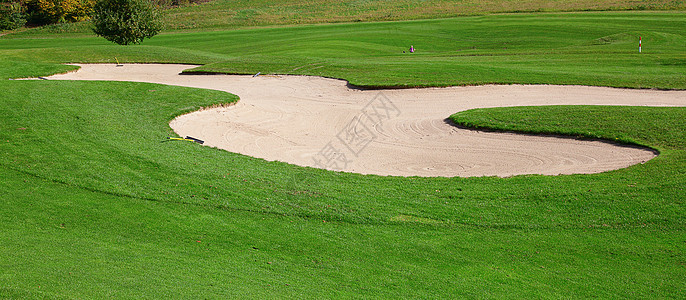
x: 299, y: 120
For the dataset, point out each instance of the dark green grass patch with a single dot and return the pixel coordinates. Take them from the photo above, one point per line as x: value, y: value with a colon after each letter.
x: 631, y: 125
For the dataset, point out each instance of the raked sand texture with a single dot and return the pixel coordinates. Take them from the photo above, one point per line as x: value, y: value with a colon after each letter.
x: 324, y: 123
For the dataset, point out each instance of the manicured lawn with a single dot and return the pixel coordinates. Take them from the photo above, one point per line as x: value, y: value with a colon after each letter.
x: 569, y: 48
x: 92, y: 188
x: 97, y: 203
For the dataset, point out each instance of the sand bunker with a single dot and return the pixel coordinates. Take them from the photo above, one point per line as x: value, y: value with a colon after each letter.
x: 323, y: 123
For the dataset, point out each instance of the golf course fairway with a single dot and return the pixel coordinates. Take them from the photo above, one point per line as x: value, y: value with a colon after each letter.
x: 97, y: 202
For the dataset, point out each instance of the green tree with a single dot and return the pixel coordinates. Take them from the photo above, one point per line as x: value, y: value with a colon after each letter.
x: 126, y: 21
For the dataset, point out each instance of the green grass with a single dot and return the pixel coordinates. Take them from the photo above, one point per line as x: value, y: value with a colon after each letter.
x: 543, y: 120
x: 570, y: 48
x: 232, y: 14
x: 223, y: 14
x: 96, y: 203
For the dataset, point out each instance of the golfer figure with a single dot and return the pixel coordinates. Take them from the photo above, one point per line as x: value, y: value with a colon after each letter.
x: 411, y: 49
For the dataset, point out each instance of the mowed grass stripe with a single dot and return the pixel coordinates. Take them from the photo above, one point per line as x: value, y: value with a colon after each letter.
x: 599, y: 49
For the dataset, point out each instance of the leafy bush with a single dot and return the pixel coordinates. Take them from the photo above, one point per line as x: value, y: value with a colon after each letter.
x: 177, y: 3
x: 126, y: 21
x: 11, y: 16
x: 42, y: 12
